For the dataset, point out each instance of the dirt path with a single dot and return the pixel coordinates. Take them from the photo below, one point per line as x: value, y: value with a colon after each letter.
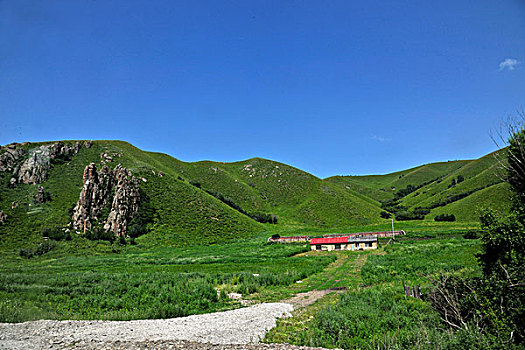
x: 304, y: 299
x: 241, y: 326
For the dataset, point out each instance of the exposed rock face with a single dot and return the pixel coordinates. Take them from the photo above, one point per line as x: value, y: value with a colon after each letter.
x: 88, y: 144
x: 10, y: 156
x: 97, y: 188
x: 34, y: 170
x: 3, y: 217
x: 125, y: 202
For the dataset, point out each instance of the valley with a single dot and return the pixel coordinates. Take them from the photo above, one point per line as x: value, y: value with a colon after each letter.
x: 163, y: 239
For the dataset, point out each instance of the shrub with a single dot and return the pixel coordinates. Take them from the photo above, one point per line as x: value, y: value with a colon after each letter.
x: 195, y: 183
x: 40, y: 249
x: 98, y: 234
x: 472, y: 234
x: 385, y: 215
x: 56, y: 234
x: 445, y: 217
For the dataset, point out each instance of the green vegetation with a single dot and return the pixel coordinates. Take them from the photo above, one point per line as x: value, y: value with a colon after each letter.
x: 493, y: 302
x: 460, y: 188
x: 151, y: 283
x: 200, y: 233
x: 375, y: 313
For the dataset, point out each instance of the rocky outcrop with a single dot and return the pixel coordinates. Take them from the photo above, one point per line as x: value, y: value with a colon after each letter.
x: 97, y: 189
x: 40, y: 196
x: 10, y: 154
x: 125, y: 202
x: 3, y: 217
x: 35, y: 169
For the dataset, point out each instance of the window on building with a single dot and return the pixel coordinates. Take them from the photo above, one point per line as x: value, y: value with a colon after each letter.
x: 369, y: 244
x: 317, y: 247
x: 337, y: 247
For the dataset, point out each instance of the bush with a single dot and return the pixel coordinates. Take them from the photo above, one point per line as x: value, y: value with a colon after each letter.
x: 195, y: 183
x: 385, y: 215
x: 445, y: 217
x: 265, y: 218
x: 472, y: 234
x: 40, y: 249
x: 98, y: 234
x: 56, y: 234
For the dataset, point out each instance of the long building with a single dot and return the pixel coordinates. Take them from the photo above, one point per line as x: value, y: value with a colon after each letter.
x: 364, y: 234
x: 344, y: 243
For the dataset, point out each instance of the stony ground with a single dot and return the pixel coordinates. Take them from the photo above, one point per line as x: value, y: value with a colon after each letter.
x: 235, y: 329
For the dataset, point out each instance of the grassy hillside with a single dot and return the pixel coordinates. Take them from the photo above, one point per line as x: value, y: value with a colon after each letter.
x: 193, y: 203
x: 208, y: 202
x: 445, y: 185
x: 182, y: 213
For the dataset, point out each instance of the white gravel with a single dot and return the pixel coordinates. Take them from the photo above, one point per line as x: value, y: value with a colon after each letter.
x: 242, y: 326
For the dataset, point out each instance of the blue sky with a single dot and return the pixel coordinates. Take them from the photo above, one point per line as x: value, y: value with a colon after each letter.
x: 331, y: 87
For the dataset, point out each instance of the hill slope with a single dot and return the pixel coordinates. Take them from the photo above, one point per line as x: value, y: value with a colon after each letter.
x: 445, y: 185
x: 207, y: 202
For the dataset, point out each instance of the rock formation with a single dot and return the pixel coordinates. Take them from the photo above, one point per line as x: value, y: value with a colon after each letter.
x: 3, y: 217
x: 8, y: 159
x: 125, y: 202
x: 40, y: 195
x: 97, y: 189
x: 34, y: 169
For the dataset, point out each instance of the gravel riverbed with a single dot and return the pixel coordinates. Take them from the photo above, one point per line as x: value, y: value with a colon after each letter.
x: 239, y: 329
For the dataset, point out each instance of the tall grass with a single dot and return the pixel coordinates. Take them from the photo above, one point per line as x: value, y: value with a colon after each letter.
x: 144, y: 284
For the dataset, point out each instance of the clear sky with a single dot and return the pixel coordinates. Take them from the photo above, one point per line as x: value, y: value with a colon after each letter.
x: 331, y: 87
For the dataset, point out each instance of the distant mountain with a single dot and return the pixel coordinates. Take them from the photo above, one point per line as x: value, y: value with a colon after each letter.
x: 131, y: 192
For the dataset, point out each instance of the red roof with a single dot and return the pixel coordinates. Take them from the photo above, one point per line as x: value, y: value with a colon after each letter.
x: 332, y: 240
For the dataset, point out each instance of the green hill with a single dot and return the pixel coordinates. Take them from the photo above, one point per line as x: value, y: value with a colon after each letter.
x: 209, y: 202
x: 455, y: 187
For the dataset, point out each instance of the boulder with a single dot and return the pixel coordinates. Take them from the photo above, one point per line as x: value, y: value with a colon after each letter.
x: 3, y: 217
x: 40, y: 195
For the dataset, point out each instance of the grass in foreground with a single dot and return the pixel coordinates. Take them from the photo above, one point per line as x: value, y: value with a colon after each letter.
x: 375, y: 314
x: 140, y: 284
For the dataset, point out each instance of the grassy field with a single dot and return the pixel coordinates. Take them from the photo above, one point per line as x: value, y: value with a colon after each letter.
x: 145, y: 281
x: 148, y: 283
x: 374, y: 313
